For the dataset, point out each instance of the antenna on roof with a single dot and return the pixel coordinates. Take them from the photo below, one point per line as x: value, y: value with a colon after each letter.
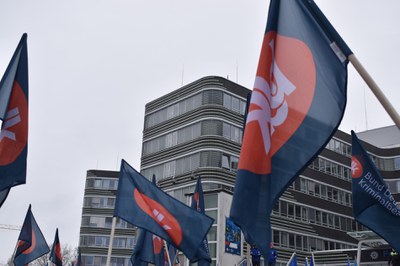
x: 237, y: 71
x: 183, y: 72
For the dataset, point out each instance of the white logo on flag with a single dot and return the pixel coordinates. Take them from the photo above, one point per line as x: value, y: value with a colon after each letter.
x: 354, y: 167
x: 270, y: 96
x: 12, y: 118
x: 160, y: 217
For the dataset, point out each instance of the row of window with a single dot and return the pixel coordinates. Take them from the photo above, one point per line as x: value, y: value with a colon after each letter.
x: 314, y: 216
x: 104, y: 241
x: 305, y: 243
x: 208, y: 96
x: 210, y: 201
x: 339, y: 147
x: 192, y: 162
x: 331, y: 168
x: 191, y: 132
x: 102, y: 183
x: 90, y: 260
x: 103, y: 222
x: 342, y: 172
x: 325, y: 192
x: 98, y: 202
x: 385, y: 164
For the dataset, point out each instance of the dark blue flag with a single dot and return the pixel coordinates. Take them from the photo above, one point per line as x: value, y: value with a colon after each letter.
x: 55, y: 254
x: 141, y: 203
x: 297, y: 103
x: 14, y: 114
x: 149, y: 248
x: 31, y: 243
x: 373, y: 204
x: 203, y: 254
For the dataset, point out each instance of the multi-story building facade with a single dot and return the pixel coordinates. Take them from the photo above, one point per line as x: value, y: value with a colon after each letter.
x: 97, y: 215
x: 195, y: 131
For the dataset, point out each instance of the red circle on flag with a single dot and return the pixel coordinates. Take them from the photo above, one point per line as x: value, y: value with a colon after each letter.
x: 14, y: 132
x: 356, y: 168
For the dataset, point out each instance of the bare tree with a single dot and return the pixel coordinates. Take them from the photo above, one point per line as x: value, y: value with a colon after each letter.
x: 68, y: 253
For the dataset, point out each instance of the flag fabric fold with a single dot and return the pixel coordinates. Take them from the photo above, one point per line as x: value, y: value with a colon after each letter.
x: 31, y: 243
x: 14, y: 114
x: 203, y: 253
x: 373, y: 203
x: 141, y: 203
x: 55, y: 254
x: 297, y: 104
x: 149, y: 248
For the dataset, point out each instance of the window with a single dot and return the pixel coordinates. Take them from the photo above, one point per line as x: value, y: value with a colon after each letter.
x: 210, y: 201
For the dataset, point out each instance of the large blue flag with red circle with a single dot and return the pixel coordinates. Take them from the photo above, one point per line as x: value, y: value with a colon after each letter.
x: 31, y: 243
x: 55, y: 254
x: 203, y: 254
x: 141, y: 203
x: 373, y: 203
x: 14, y: 114
x: 297, y: 103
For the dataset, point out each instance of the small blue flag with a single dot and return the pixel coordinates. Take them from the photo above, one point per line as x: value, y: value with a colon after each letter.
x: 203, y: 254
x: 373, y: 204
x: 149, y: 248
x: 55, y: 254
x: 293, y: 260
x: 14, y: 114
x: 141, y: 203
x: 31, y: 243
x: 297, y: 104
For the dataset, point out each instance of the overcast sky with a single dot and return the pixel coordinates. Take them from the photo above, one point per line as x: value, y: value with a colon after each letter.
x: 93, y: 64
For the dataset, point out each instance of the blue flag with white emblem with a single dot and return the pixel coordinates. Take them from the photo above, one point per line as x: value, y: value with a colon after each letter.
x: 14, y: 114
x: 203, y: 254
x: 31, y: 243
x: 373, y: 204
x: 297, y: 103
x: 141, y: 203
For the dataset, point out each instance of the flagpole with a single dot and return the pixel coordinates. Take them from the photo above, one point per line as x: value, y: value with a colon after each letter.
x: 375, y: 89
x: 166, y: 248
x: 248, y: 254
x: 114, y: 221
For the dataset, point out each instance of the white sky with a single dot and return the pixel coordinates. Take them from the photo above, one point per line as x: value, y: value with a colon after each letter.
x: 94, y: 64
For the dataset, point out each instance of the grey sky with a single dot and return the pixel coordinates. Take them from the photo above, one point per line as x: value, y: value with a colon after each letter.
x: 93, y: 65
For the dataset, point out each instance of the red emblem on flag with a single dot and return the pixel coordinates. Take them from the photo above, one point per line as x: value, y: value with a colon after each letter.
x: 156, y: 211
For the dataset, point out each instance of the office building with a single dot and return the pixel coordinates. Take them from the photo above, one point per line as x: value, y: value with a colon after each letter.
x: 196, y: 131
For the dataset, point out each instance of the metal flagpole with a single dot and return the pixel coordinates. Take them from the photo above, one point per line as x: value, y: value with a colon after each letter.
x: 114, y: 221
x: 375, y: 89
x: 248, y: 254
x: 166, y: 249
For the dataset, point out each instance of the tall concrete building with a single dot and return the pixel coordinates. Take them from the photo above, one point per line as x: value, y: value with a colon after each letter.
x: 196, y: 131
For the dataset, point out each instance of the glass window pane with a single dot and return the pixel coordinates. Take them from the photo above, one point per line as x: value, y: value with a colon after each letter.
x: 210, y: 201
x: 213, y: 214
